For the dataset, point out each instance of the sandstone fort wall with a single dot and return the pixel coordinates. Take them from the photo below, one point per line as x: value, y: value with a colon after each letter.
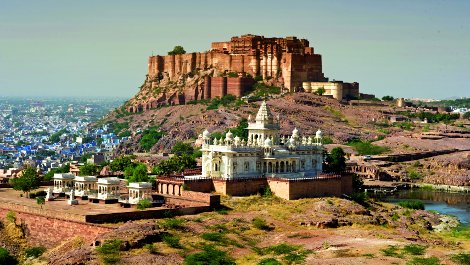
x: 50, y: 231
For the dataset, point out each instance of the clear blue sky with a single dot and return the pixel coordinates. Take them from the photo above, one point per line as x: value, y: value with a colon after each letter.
x: 100, y: 48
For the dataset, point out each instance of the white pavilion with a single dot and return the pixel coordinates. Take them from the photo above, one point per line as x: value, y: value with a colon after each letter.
x: 265, y: 153
x: 139, y: 191
x: 108, y: 188
x: 63, y: 182
x: 85, y: 185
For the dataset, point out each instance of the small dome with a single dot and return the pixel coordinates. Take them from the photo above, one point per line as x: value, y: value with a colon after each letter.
x: 291, y: 141
x: 229, y: 136
x: 205, y: 134
x: 318, y: 134
x: 268, y: 142
x: 295, y: 132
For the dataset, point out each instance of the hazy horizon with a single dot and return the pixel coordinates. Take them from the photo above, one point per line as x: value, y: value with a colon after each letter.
x: 100, y: 49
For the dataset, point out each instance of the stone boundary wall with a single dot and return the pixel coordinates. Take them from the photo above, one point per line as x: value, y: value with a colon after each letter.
x: 42, y: 211
x: 147, y: 214
x: 47, y: 231
x: 309, y: 188
x: 416, y: 156
x: 240, y: 187
x: 191, y: 198
x: 199, y: 185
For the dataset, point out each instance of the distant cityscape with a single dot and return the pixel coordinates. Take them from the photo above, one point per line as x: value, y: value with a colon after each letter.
x: 49, y: 133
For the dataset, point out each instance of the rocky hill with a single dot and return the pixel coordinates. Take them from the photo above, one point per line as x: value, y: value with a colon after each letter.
x: 304, y: 111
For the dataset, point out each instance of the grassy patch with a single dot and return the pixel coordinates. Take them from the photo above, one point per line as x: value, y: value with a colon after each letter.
x: 172, y: 223
x: 214, y: 237
x: 413, y: 249
x: 172, y: 241
x: 209, y: 255
x: 291, y: 253
x: 269, y: 261
x: 261, y: 224
x: 391, y: 251
x: 412, y: 204
x: 109, y: 252
x: 367, y: 148
x: 151, y: 248
x: 424, y: 261
x: 34, y: 252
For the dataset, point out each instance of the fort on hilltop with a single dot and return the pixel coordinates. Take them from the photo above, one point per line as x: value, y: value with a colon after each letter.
x: 231, y: 67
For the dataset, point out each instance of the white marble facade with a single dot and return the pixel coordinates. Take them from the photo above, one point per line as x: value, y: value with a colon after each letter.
x: 265, y: 153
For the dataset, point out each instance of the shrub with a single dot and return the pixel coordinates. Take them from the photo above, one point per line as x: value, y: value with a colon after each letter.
x: 40, y: 193
x: 282, y: 248
x: 214, y: 237
x: 414, y: 249
x: 261, y: 224
x: 367, y: 148
x: 209, y: 255
x: 144, y: 204
x: 412, y: 204
x: 293, y: 253
x: 461, y: 258
x: 172, y: 223
x: 151, y: 248
x: 391, y: 251
x: 424, y: 261
x: 360, y: 197
x: 172, y: 241
x: 40, y: 200
x: 11, y: 217
x: 150, y: 137
x: 267, y: 192
x: 34, y: 252
x: 109, y: 251
x: 6, y: 258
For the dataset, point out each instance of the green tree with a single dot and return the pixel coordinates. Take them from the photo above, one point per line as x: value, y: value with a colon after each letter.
x: 139, y: 174
x: 121, y: 163
x: 241, y: 130
x: 149, y: 138
x: 177, y: 50
x: 466, y: 115
x: 387, y: 98
x: 174, y: 164
x: 336, y: 161
x: 28, y: 181
x: 320, y: 91
x: 49, y: 175
x: 56, y: 136
x: 88, y: 170
x: 181, y: 148
x: 85, y: 157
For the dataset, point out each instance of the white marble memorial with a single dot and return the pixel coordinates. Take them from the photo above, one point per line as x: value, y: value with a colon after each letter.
x: 265, y: 153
